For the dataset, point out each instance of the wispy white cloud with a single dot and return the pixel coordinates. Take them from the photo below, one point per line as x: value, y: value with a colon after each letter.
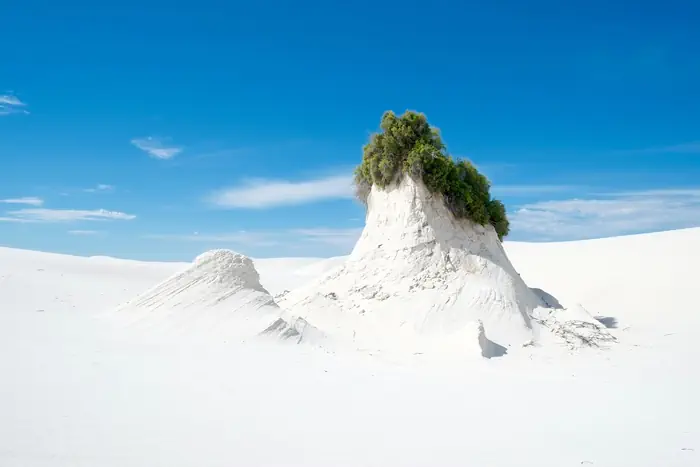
x: 339, y: 237
x: 692, y: 147
x: 10, y: 104
x: 266, y: 193
x: 608, y: 215
x: 156, y: 147
x: 688, y: 192
x: 10, y: 100
x: 83, y: 232
x: 30, y: 200
x: 262, y: 193
x: 241, y: 237
x: 524, y: 190
x: 686, y: 148
x: 212, y: 153
x: 63, y: 215
x: 100, y: 188
x: 17, y: 220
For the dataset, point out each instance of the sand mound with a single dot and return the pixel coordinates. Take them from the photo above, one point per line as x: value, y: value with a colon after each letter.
x: 419, y: 280
x: 220, y: 294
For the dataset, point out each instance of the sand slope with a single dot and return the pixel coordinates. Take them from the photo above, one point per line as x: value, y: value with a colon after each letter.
x: 218, y: 296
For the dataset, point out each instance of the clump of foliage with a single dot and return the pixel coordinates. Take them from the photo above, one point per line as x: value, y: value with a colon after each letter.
x: 408, y: 145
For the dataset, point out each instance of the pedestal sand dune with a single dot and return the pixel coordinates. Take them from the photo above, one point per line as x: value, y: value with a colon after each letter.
x: 218, y: 295
x: 421, y: 281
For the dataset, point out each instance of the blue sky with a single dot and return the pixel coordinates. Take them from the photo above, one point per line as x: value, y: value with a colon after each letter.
x: 152, y: 130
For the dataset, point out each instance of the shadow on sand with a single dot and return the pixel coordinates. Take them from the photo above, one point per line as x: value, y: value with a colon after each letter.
x: 489, y: 349
x: 548, y: 299
x: 609, y: 322
x: 551, y: 301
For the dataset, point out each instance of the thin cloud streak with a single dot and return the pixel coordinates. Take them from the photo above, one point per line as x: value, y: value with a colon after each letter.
x: 10, y: 104
x: 336, y: 237
x: 30, y: 200
x: 16, y: 220
x: 339, y: 237
x: 83, y: 232
x: 608, y: 215
x: 692, y: 147
x: 233, y: 238
x: 261, y: 193
x: 10, y: 100
x: 691, y: 192
x: 519, y: 190
x: 270, y: 193
x: 100, y: 188
x: 156, y: 147
x: 64, y: 215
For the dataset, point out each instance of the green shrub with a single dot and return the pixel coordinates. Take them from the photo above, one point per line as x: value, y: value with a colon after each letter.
x: 408, y: 145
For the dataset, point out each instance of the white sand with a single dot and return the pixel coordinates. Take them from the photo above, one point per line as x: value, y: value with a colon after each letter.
x: 75, y: 392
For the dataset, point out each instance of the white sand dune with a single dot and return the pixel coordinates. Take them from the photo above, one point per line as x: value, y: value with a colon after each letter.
x: 218, y: 296
x: 421, y: 281
x: 74, y: 394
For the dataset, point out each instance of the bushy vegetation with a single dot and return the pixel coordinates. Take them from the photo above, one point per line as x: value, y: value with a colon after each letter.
x: 408, y: 145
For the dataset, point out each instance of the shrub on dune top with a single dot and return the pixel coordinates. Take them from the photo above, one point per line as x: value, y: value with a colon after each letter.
x: 408, y: 145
